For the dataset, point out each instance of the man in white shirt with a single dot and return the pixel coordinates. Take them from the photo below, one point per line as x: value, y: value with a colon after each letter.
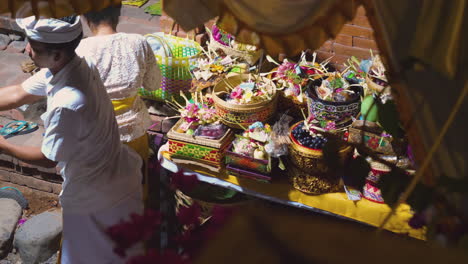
x: 102, y: 177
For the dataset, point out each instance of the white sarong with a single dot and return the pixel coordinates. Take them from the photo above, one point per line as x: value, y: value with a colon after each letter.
x: 84, y: 237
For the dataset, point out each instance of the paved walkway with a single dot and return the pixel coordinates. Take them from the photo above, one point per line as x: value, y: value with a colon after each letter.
x: 132, y: 20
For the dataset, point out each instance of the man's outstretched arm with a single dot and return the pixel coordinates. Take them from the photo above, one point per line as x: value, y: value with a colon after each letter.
x: 15, y: 96
x: 31, y: 155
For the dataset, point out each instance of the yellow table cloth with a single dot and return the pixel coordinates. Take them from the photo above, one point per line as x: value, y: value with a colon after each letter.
x: 280, y: 190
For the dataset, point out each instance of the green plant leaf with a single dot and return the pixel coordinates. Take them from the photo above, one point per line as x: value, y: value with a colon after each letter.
x: 323, y: 123
x: 392, y: 185
x: 336, y: 83
x: 358, y: 170
x: 369, y: 109
x: 389, y: 119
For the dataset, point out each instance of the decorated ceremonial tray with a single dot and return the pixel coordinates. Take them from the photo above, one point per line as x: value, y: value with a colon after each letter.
x: 246, y: 162
x: 255, y: 152
x: 204, y: 150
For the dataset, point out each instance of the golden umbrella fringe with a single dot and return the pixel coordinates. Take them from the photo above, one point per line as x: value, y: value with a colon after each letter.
x: 52, y: 8
x: 11, y: 7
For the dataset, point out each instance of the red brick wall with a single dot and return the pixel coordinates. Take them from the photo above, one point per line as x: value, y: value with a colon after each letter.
x: 356, y: 38
x: 165, y: 24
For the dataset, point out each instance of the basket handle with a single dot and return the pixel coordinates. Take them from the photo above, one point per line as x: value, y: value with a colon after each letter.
x: 166, y: 47
x: 193, y: 36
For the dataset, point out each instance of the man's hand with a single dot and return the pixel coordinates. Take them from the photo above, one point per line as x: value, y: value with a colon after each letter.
x: 2, y: 141
x: 15, y: 96
x: 28, y: 154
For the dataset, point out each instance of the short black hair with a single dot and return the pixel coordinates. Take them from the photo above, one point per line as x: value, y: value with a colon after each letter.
x: 108, y: 15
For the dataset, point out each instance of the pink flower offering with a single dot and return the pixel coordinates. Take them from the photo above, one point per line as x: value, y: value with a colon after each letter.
x: 296, y: 89
x: 192, y: 109
x: 237, y: 93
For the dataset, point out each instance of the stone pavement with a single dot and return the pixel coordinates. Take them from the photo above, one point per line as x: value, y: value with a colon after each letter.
x: 9, y: 216
x: 39, y: 237
x: 134, y: 20
x: 10, y: 68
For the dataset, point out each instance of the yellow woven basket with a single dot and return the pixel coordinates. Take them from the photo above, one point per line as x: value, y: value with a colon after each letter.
x: 238, y: 115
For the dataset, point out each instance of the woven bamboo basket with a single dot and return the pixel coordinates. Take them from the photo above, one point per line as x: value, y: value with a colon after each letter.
x: 342, y: 113
x: 310, y: 173
x: 200, y: 149
x: 249, y: 56
x: 243, y: 115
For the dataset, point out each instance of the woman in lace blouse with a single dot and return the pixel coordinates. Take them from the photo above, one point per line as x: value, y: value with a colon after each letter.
x: 125, y: 63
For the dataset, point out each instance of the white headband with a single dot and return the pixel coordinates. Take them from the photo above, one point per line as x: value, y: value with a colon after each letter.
x: 50, y: 30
